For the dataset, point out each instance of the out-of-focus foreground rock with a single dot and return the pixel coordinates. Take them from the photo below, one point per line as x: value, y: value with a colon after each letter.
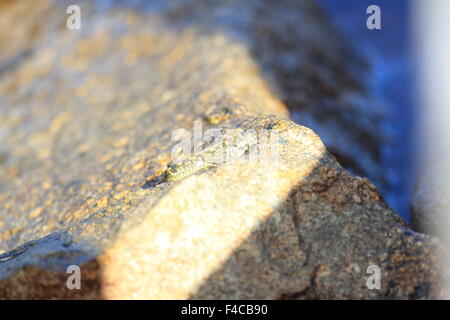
x: 431, y: 199
x: 86, y: 123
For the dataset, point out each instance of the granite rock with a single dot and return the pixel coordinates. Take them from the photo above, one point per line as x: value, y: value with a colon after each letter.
x: 87, y: 119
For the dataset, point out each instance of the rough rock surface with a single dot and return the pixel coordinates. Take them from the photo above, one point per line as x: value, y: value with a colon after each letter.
x: 86, y: 124
x: 298, y: 230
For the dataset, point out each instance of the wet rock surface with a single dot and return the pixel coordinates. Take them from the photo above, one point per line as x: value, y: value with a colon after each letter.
x: 86, y: 123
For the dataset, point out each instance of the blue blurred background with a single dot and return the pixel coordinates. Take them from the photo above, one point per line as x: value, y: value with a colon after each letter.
x: 390, y: 54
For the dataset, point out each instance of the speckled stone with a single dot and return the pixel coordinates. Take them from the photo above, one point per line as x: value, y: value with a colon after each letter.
x: 86, y: 124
